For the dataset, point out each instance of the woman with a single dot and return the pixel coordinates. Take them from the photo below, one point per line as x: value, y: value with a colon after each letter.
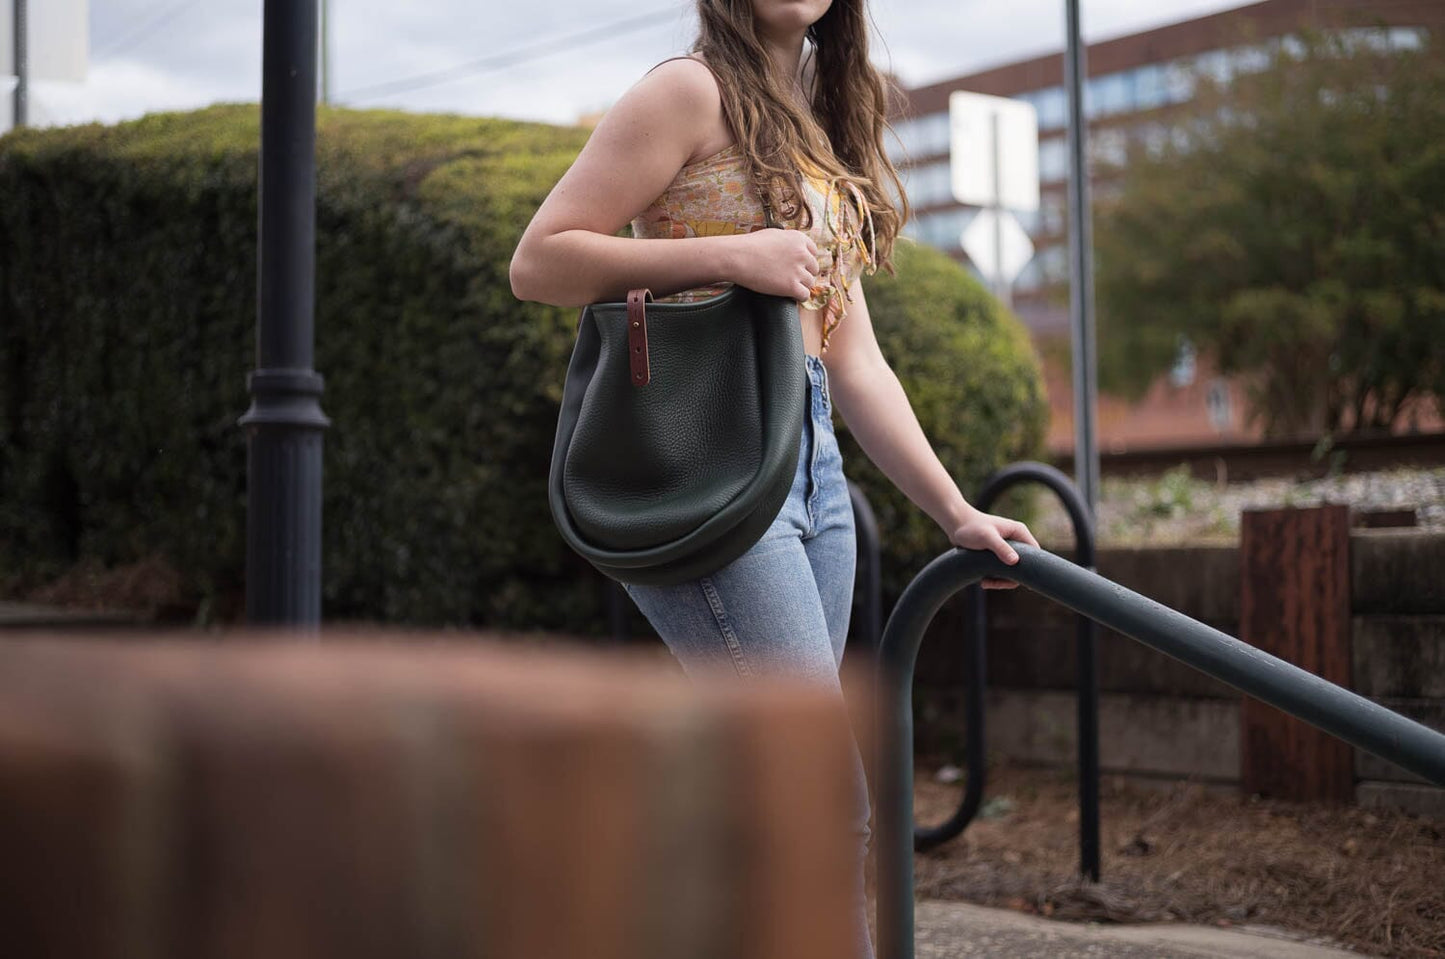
x: 696, y: 155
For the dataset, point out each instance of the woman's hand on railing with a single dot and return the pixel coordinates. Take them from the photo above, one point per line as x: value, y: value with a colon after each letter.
x: 988, y: 532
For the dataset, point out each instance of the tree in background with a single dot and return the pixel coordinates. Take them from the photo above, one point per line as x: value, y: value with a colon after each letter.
x: 1293, y: 226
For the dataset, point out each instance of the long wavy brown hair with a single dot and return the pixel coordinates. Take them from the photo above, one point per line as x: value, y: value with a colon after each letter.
x: 843, y: 133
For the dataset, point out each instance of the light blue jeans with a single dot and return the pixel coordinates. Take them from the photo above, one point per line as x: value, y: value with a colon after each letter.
x: 781, y: 608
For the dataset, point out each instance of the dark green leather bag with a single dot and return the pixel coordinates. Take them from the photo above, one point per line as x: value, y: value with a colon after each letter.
x: 679, y: 431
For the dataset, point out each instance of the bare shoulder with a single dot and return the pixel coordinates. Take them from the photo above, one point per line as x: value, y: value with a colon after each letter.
x: 668, y: 118
x: 687, y: 79
x: 682, y: 84
x: 683, y: 92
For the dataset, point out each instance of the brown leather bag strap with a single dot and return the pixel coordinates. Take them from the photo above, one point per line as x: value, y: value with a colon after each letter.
x: 637, y: 335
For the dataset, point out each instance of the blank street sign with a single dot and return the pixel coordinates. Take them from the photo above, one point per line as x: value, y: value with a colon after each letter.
x: 971, y: 121
x: 59, y: 39
x: 1014, y: 247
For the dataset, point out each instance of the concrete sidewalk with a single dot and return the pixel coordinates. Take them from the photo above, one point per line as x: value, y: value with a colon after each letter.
x: 948, y: 929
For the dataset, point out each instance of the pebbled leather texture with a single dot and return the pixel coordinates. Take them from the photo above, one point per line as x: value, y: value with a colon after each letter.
x: 670, y: 482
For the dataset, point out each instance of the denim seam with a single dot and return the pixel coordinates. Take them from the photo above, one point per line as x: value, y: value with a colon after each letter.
x: 735, y: 649
x: 814, y: 487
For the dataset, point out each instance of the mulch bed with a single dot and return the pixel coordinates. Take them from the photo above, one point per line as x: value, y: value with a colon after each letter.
x: 1371, y: 880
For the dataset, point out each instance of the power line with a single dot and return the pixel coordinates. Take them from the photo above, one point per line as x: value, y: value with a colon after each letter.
x: 147, y: 27
x: 513, y: 57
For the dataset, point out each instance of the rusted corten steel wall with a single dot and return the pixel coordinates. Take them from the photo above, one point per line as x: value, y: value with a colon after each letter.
x: 380, y: 800
x: 1295, y: 604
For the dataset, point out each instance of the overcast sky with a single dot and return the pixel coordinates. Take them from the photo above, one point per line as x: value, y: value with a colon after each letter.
x: 148, y: 55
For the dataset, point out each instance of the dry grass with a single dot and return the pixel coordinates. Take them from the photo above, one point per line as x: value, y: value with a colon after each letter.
x: 1371, y: 880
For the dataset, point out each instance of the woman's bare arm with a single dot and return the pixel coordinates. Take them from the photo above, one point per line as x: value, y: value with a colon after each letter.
x: 570, y: 254
x: 872, y: 402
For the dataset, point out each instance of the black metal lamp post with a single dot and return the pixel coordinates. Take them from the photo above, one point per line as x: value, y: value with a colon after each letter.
x: 284, y: 424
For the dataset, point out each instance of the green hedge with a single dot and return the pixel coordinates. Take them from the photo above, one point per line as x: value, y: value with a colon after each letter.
x: 127, y: 286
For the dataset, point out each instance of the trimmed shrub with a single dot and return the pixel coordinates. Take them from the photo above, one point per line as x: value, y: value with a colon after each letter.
x: 127, y: 314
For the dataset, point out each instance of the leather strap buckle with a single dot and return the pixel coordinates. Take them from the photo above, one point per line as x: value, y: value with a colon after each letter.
x: 637, y: 336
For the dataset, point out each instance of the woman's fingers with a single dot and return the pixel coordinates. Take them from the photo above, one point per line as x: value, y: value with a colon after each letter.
x: 810, y: 279
x: 808, y: 270
x: 807, y: 284
x: 1013, y: 530
x: 780, y: 262
x: 1000, y: 548
x: 993, y: 533
x: 1021, y: 533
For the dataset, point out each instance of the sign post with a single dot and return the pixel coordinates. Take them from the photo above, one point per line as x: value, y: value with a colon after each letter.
x: 994, y: 164
x: 1081, y: 271
x: 45, y: 40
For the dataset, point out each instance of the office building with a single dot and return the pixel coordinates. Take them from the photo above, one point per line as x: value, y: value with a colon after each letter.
x: 1138, y: 87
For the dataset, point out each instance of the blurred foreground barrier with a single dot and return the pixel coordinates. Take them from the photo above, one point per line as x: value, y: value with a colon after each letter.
x: 423, y: 800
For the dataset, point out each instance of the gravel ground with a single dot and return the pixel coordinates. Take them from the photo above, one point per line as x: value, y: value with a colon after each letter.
x: 1175, y: 507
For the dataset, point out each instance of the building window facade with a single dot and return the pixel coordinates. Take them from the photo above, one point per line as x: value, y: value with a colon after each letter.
x: 923, y: 136
x: 1113, y: 98
x: 929, y: 184
x: 941, y: 229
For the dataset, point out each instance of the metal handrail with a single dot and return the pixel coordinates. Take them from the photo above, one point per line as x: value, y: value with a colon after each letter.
x: 1318, y: 702
x: 1086, y: 676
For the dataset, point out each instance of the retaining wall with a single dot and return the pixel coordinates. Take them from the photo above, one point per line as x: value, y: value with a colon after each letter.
x: 1161, y: 720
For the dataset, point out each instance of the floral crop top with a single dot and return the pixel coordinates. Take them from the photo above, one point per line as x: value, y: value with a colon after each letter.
x: 712, y: 197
